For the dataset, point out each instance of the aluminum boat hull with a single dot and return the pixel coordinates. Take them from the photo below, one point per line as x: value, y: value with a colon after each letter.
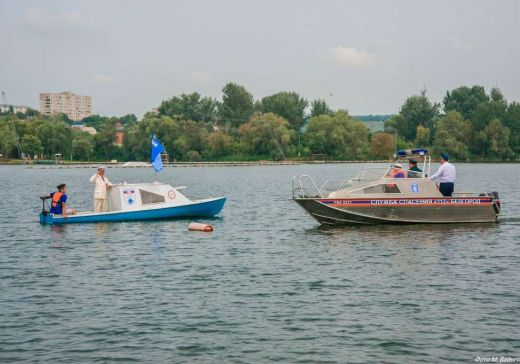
x: 202, y: 208
x: 447, y: 210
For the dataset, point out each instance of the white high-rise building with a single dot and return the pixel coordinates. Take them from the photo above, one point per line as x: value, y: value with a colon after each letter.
x: 75, y: 106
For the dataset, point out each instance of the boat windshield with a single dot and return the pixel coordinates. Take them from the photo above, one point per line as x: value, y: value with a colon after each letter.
x: 305, y: 186
x: 366, y: 174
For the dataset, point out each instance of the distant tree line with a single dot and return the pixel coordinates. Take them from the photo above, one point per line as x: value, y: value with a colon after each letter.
x: 470, y: 124
x: 43, y: 136
x: 238, y: 127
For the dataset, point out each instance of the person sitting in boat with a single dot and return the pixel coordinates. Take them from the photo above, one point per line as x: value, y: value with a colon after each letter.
x: 58, y: 201
x: 446, y: 175
x: 396, y: 171
x: 413, y: 170
x: 102, y: 184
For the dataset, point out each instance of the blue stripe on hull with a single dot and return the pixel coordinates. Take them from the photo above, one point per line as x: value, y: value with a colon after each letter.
x: 201, y: 209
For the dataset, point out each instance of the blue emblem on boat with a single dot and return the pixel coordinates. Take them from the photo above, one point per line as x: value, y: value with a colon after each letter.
x: 414, y: 187
x: 129, y: 194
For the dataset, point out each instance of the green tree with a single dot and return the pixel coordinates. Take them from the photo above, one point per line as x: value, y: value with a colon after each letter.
x: 136, y: 143
x: 193, y: 138
x: 495, y: 108
x: 320, y: 107
x: 94, y: 121
x: 465, y: 100
x: 416, y: 110
x: 55, y: 136
x: 382, y: 145
x: 237, y: 104
x: 32, y: 113
x: 453, y: 135
x: 8, y: 138
x: 193, y: 156
x: 498, y: 139
x: 31, y: 145
x: 82, y: 149
x: 266, y: 134
x: 128, y: 119
x: 337, y: 136
x: 190, y: 107
x: 288, y: 105
x: 512, y: 122
x: 423, y: 136
x: 105, y: 138
x: 63, y: 118
x: 168, y: 132
x: 220, y: 144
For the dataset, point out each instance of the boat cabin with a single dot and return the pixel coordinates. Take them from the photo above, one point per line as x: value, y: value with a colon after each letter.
x: 139, y: 196
x: 380, y: 183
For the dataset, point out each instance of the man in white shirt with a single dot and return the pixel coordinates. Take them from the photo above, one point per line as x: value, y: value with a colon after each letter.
x: 102, y: 184
x: 446, y: 175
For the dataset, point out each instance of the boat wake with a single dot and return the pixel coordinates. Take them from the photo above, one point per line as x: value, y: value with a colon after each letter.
x: 509, y: 220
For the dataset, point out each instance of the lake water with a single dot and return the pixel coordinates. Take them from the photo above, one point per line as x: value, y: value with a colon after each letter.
x: 268, y: 285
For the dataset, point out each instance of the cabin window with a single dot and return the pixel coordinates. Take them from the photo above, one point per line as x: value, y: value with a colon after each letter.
x: 380, y: 188
x: 150, y: 197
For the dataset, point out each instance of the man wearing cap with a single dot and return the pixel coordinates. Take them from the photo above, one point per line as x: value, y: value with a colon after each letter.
x: 102, y: 184
x: 413, y: 170
x: 446, y: 175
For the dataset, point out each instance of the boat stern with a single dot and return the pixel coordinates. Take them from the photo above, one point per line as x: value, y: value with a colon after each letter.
x: 46, y: 218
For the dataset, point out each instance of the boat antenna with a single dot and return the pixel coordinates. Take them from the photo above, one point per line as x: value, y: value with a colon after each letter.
x: 395, y: 141
x: 423, y: 91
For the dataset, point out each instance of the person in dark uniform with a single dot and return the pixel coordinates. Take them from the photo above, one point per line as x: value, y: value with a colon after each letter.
x: 413, y: 170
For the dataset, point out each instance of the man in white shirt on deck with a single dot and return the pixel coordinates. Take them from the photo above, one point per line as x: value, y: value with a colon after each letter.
x: 446, y: 175
x: 102, y: 184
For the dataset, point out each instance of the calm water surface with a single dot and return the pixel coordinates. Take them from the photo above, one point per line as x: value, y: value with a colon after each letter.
x: 268, y: 285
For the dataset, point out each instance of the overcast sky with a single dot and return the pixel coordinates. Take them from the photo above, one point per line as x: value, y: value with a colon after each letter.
x: 366, y: 56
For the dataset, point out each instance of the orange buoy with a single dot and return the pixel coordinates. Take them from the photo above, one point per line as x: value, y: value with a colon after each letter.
x: 198, y: 226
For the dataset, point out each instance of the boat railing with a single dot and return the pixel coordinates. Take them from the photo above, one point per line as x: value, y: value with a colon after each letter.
x: 303, y: 186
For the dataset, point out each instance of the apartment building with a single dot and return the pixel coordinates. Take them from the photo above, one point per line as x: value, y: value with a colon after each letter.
x: 75, y: 106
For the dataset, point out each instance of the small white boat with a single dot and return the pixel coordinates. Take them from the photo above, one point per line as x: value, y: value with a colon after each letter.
x: 135, y: 165
x: 141, y: 201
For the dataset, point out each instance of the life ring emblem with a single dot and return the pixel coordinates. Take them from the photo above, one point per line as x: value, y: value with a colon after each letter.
x: 171, y: 194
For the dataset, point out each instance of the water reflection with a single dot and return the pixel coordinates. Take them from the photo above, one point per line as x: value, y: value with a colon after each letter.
x: 419, y: 231
x: 101, y: 230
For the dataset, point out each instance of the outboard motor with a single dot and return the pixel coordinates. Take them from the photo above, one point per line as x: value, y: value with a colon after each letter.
x: 44, y: 213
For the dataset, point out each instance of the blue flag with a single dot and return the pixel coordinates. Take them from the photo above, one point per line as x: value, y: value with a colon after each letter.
x: 157, y: 149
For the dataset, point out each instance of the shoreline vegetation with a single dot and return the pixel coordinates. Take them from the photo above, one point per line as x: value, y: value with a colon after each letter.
x: 94, y: 164
x: 284, y: 128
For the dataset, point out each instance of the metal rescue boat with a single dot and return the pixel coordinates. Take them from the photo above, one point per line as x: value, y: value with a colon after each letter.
x: 372, y: 197
x: 143, y: 201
